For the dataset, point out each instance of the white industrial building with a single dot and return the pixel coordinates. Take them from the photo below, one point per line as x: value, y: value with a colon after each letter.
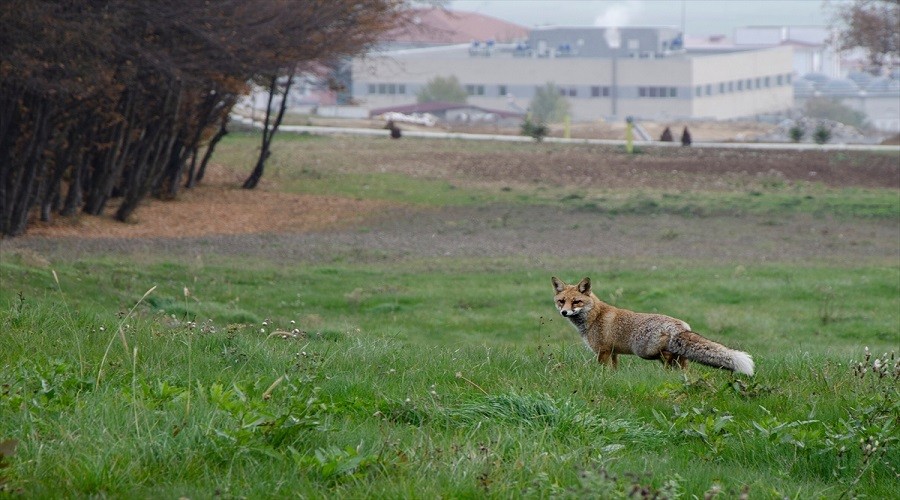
x: 603, y: 72
x: 812, y: 51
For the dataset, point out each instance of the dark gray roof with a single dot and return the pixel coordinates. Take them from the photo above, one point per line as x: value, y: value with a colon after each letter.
x: 883, y: 84
x: 839, y: 86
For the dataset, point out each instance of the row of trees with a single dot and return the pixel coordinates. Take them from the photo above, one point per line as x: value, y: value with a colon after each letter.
x: 103, y: 99
x: 547, y: 105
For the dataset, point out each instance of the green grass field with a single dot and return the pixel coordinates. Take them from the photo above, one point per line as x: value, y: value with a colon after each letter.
x: 167, y: 377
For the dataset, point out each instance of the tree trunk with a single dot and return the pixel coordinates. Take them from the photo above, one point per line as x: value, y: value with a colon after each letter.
x: 223, y: 131
x: 269, y: 132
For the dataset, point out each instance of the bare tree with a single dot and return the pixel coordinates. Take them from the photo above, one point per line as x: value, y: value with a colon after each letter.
x: 114, y: 99
x: 316, y: 32
x: 872, y: 25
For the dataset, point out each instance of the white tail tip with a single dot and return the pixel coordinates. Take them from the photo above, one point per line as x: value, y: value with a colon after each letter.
x: 743, y: 363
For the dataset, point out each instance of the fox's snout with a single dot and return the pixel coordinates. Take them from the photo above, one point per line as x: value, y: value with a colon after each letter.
x: 566, y: 312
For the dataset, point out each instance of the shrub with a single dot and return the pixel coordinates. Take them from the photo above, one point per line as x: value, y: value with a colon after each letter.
x: 821, y: 135
x: 548, y: 105
x: 535, y: 130
x: 442, y: 89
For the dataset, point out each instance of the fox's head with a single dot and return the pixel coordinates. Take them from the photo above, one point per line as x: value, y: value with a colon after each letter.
x: 573, y: 300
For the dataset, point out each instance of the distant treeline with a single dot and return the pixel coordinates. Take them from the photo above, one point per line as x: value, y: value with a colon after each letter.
x: 117, y: 98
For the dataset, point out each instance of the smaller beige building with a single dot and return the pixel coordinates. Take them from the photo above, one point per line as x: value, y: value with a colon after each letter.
x: 653, y: 82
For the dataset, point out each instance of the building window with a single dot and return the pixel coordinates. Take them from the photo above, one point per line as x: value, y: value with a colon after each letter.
x: 749, y: 84
x: 501, y: 90
x: 391, y: 89
x: 708, y: 89
x: 372, y: 88
x: 722, y: 88
x: 475, y: 89
x: 382, y: 88
x: 731, y: 86
x: 740, y: 85
x: 598, y: 91
x: 698, y: 91
x: 779, y: 80
x: 401, y: 88
x: 573, y: 92
x: 658, y: 92
x: 768, y: 82
x: 788, y: 77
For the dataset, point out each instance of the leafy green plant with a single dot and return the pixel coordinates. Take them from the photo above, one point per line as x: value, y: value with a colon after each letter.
x: 548, y: 105
x: 708, y: 424
x: 535, y: 130
x: 442, y: 89
x: 796, y: 133
x: 821, y: 134
x: 334, y: 464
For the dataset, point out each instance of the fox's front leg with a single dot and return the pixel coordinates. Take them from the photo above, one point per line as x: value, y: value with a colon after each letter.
x: 608, y: 358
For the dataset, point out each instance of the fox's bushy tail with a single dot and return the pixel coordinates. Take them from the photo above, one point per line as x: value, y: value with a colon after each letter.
x: 702, y: 350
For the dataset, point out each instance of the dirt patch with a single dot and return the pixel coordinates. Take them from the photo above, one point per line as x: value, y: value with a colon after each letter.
x: 655, y: 168
x: 537, y: 234
x: 219, y: 206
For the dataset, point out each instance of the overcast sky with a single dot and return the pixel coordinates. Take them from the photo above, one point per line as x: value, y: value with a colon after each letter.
x: 701, y: 17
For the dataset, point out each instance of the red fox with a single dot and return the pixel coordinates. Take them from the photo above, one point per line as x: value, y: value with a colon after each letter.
x: 609, y: 331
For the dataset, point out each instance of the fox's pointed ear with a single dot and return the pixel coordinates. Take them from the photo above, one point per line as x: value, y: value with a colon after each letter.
x: 558, y: 284
x: 584, y: 286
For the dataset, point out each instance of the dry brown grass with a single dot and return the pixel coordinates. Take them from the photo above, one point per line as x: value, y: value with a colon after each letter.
x: 219, y: 206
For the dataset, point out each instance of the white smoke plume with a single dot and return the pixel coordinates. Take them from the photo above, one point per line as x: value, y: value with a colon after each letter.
x: 620, y: 14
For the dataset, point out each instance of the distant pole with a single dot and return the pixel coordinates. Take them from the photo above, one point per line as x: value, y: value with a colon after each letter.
x: 629, y: 135
x: 613, y: 41
x: 615, y: 87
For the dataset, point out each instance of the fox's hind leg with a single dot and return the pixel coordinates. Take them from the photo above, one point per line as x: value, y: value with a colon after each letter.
x: 667, y: 359
x: 672, y: 360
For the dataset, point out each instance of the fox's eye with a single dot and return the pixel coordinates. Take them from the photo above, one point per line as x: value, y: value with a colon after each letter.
x: 576, y: 303
x: 560, y: 302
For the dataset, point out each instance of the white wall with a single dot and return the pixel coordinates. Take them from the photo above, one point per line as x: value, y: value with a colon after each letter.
x: 521, y: 75
x: 734, y: 69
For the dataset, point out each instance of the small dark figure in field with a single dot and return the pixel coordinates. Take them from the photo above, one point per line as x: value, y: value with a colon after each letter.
x: 666, y: 135
x: 395, y: 130
x: 686, y: 137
